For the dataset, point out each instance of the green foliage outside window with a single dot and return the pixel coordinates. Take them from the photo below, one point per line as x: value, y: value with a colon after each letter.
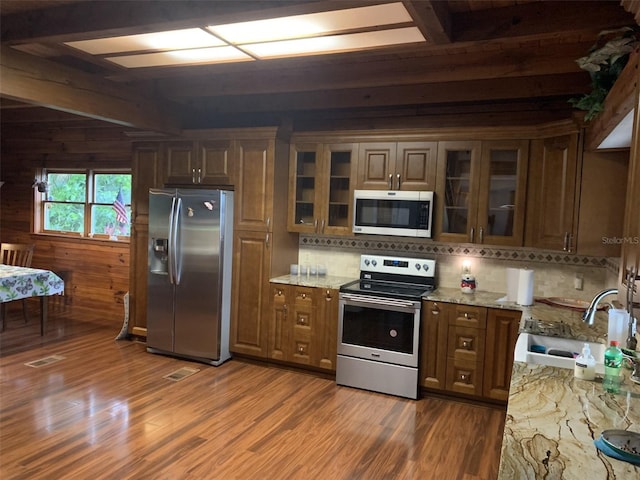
x: 68, y: 203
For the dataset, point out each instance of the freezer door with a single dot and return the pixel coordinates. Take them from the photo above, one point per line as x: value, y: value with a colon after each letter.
x: 160, y: 291
x: 198, y: 284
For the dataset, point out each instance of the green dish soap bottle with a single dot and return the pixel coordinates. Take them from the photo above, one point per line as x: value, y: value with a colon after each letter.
x: 612, y: 368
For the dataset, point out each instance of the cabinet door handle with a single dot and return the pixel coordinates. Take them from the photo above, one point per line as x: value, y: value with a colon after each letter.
x: 435, y: 310
x: 570, y: 243
x: 315, y: 226
x: 266, y: 240
x: 398, y: 178
x: 565, y: 245
x: 481, y: 235
x: 390, y: 181
x: 472, y: 234
x: 199, y: 175
x: 193, y: 175
x: 268, y: 222
x: 322, y: 227
x: 328, y: 296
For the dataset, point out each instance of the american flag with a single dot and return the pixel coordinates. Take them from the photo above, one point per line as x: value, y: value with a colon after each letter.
x: 121, y: 211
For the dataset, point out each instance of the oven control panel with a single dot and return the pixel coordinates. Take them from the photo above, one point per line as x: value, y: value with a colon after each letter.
x: 420, y: 267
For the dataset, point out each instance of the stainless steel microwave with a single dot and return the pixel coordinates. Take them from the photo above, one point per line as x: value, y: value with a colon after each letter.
x: 392, y: 212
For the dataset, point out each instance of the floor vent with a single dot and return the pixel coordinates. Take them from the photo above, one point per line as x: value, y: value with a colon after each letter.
x: 183, y: 372
x: 44, y: 361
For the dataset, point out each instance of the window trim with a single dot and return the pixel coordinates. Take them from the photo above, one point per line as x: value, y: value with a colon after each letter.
x: 89, y: 202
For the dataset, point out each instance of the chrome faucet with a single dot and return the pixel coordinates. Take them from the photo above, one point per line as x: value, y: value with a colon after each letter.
x: 589, y: 314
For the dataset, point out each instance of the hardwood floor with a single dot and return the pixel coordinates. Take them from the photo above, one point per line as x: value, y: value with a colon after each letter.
x: 105, y: 411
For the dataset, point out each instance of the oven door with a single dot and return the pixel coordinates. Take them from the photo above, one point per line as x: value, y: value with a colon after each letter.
x: 379, y: 329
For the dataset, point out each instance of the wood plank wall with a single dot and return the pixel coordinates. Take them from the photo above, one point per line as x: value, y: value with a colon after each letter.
x: 96, y: 271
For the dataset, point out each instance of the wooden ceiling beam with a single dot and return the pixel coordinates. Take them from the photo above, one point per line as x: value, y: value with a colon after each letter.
x: 432, y: 18
x: 538, y: 18
x: 297, y: 76
x: 42, y: 82
x: 432, y: 93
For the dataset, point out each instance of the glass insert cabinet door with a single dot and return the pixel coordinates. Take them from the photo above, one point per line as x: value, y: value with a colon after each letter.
x: 321, y: 188
x: 482, y: 191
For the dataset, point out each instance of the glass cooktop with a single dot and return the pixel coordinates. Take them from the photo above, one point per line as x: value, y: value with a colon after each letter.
x: 387, y: 289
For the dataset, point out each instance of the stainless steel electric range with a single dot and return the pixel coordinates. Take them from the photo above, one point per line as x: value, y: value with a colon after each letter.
x: 379, y: 324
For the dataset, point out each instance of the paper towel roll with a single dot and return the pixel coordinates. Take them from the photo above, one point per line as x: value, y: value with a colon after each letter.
x: 513, y: 276
x: 525, y: 287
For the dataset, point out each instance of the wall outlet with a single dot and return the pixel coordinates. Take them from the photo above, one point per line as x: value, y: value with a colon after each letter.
x: 578, y: 282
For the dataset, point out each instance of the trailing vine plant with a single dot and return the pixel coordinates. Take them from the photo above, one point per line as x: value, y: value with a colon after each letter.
x: 604, y: 62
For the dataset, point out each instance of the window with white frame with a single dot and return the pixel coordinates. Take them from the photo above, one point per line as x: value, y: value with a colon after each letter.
x: 86, y: 203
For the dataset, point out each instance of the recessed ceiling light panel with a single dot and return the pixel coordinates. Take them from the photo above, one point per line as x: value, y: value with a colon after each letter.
x: 193, y: 56
x: 171, y: 40
x: 335, y: 43
x: 312, y: 24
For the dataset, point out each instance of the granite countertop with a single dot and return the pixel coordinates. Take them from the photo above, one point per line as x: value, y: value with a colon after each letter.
x: 552, y: 420
x: 552, y: 417
x: 315, y: 281
x: 538, y: 311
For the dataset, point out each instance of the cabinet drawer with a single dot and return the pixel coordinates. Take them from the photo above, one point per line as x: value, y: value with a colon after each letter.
x: 464, y: 377
x: 466, y: 343
x: 303, y: 297
x: 468, y: 316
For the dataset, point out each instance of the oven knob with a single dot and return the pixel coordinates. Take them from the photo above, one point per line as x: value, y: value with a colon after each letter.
x: 374, y: 263
x: 418, y: 266
x: 366, y: 262
x: 425, y: 267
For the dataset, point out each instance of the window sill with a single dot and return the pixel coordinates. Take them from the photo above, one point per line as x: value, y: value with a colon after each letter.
x: 79, y: 239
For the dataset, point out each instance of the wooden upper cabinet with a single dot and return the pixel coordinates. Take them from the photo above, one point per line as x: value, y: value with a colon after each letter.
x: 180, y: 162
x: 255, y: 184
x: 216, y: 162
x: 397, y: 166
x: 553, y: 190
x: 206, y: 162
x: 482, y: 190
x: 321, y: 187
x: 146, y: 174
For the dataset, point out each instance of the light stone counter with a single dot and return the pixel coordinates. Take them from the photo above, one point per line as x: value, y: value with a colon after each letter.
x: 552, y: 420
x: 315, y: 281
x: 538, y: 311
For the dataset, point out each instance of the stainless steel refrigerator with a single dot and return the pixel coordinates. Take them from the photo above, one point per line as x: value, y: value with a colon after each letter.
x: 189, y: 273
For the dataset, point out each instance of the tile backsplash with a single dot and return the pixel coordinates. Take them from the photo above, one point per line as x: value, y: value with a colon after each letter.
x: 555, y: 273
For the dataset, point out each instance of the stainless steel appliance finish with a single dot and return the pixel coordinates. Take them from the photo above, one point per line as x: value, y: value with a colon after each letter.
x: 379, y: 324
x: 389, y: 212
x: 189, y: 273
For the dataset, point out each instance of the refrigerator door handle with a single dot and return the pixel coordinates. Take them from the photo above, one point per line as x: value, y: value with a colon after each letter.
x: 177, y: 253
x: 171, y: 243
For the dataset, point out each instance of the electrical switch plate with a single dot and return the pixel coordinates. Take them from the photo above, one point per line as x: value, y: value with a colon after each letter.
x: 578, y: 283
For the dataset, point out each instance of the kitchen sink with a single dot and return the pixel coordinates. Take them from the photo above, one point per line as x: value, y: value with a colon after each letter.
x: 555, y: 351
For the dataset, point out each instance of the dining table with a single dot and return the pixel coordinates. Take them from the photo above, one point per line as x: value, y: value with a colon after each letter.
x: 17, y: 283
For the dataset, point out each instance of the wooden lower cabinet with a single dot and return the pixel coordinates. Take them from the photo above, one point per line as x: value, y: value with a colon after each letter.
x: 502, y: 334
x: 467, y: 349
x: 250, y: 293
x: 302, y: 326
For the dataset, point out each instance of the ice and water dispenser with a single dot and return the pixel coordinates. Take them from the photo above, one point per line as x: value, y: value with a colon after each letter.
x: 160, y: 255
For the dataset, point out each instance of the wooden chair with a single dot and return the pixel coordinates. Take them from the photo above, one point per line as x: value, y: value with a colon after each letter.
x: 20, y: 255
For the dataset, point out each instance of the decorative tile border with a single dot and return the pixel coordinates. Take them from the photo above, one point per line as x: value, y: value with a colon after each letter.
x: 420, y: 247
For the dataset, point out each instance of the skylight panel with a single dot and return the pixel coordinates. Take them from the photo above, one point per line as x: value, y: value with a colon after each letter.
x: 182, y: 57
x: 170, y: 40
x: 335, y: 43
x: 312, y: 24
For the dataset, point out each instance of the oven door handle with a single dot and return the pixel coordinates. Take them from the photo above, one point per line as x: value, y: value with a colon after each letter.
x: 379, y: 301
